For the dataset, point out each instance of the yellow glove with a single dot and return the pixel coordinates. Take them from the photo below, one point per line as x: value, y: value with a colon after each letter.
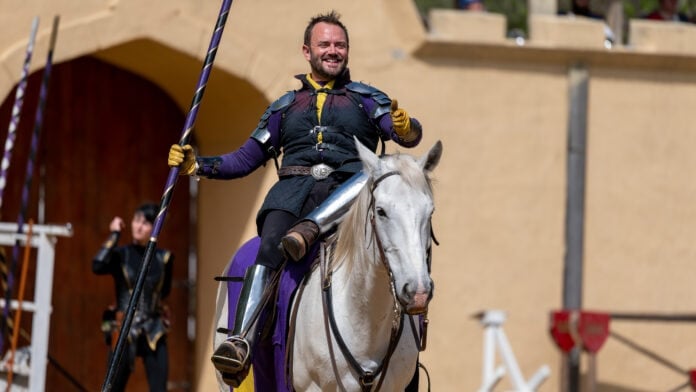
x: 400, y: 120
x: 182, y: 157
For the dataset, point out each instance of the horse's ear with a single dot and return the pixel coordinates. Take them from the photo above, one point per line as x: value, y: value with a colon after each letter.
x: 430, y: 160
x: 369, y: 159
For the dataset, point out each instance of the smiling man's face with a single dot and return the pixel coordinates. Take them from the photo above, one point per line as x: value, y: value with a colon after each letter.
x: 328, y: 51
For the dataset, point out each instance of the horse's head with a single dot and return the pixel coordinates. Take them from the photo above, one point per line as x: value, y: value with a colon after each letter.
x: 400, y: 211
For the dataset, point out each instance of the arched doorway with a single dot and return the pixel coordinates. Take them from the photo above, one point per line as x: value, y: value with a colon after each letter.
x: 102, y: 152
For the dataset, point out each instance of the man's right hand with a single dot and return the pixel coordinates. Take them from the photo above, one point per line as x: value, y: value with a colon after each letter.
x: 182, y: 157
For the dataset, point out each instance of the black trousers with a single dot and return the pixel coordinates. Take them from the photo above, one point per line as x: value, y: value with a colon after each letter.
x: 156, y: 364
x: 276, y: 223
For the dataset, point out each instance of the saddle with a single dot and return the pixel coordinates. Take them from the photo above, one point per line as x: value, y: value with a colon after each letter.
x: 269, y: 356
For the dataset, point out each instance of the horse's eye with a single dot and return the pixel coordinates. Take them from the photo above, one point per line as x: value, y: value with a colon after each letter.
x: 381, y: 212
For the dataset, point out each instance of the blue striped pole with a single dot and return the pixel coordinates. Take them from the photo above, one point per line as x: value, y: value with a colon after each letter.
x: 166, y: 196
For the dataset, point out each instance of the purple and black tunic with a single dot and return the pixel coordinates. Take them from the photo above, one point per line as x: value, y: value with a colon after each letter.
x: 350, y: 109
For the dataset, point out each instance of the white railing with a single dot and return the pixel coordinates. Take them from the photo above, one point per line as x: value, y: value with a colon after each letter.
x: 33, y: 377
x: 494, y: 338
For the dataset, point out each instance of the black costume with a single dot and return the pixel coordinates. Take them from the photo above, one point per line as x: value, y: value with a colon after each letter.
x: 147, y: 337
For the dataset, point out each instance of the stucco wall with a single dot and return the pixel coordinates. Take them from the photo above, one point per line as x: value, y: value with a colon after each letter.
x: 501, y: 112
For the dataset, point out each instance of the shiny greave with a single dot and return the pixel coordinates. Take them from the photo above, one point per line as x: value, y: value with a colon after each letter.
x: 326, y: 216
x: 250, y: 299
x: 231, y: 357
x: 331, y: 210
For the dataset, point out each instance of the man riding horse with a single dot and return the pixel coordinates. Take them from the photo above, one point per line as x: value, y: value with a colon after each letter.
x: 320, y: 173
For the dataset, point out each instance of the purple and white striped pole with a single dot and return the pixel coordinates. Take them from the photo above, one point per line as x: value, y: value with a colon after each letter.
x: 38, y: 124
x: 5, y: 163
x: 167, y: 196
x: 17, y: 109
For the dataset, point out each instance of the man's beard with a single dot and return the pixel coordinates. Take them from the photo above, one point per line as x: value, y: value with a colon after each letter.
x: 318, y: 68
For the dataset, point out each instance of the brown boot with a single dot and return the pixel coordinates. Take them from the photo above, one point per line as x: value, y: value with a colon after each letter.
x: 231, y: 358
x: 299, y: 239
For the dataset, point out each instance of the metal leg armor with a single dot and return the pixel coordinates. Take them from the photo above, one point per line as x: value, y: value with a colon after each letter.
x: 231, y: 357
x: 300, y: 237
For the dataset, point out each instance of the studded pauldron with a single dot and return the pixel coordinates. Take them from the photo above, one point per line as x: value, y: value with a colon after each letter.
x: 261, y: 133
x: 382, y: 100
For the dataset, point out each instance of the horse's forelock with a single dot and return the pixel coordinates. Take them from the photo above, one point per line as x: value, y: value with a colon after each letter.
x: 410, y: 171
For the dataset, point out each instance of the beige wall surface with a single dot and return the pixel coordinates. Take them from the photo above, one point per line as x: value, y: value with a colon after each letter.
x: 501, y: 111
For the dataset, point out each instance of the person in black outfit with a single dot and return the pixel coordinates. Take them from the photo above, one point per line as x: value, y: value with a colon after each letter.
x: 147, y: 337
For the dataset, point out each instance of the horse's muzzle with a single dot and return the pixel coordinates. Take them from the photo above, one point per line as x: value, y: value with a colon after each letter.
x: 415, y: 301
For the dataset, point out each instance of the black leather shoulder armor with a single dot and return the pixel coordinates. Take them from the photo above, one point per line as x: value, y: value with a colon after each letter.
x: 261, y: 133
x: 382, y: 100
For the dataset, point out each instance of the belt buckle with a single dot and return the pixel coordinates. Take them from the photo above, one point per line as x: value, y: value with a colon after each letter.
x: 321, y: 171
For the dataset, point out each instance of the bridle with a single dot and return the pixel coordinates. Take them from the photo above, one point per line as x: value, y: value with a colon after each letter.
x: 367, y: 377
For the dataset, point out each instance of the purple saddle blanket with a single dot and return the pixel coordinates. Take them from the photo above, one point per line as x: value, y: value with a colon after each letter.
x: 269, y: 355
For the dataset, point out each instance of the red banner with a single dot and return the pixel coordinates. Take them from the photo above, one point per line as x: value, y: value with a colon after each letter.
x: 593, y: 329
x: 561, y: 330
x: 587, y: 329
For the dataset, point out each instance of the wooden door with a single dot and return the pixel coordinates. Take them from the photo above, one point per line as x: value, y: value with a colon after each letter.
x: 102, y: 152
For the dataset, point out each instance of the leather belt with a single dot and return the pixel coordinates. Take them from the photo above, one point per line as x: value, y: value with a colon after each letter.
x: 319, y: 171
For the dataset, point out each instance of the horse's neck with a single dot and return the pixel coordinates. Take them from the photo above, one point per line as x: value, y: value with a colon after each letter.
x: 362, y: 296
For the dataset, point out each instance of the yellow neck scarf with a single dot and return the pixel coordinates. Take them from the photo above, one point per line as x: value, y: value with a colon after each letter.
x: 321, y: 96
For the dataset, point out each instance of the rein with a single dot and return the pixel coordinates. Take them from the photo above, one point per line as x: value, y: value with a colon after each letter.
x: 366, y: 377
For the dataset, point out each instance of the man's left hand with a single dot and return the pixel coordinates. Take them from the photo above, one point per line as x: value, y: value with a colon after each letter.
x: 400, y: 119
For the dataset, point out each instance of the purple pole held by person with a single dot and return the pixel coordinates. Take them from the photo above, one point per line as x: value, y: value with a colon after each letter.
x: 167, y: 196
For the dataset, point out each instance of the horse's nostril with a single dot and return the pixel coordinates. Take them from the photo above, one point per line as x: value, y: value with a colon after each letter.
x: 407, y: 292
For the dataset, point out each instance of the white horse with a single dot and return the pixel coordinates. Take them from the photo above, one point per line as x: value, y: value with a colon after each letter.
x: 380, y: 269
x: 356, y: 320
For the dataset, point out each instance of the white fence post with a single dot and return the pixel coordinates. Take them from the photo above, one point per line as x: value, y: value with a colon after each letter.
x: 492, y: 321
x: 44, y: 239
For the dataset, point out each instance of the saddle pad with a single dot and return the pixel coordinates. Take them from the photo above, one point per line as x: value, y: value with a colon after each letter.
x: 269, y: 356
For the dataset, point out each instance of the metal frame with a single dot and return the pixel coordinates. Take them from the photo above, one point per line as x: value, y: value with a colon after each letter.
x: 44, y: 238
x: 492, y: 321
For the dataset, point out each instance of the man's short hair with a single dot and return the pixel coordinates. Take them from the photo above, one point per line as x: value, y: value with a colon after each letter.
x: 332, y: 17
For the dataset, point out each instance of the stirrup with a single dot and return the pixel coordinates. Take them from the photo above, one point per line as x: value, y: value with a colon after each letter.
x: 235, y: 380
x: 226, y: 357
